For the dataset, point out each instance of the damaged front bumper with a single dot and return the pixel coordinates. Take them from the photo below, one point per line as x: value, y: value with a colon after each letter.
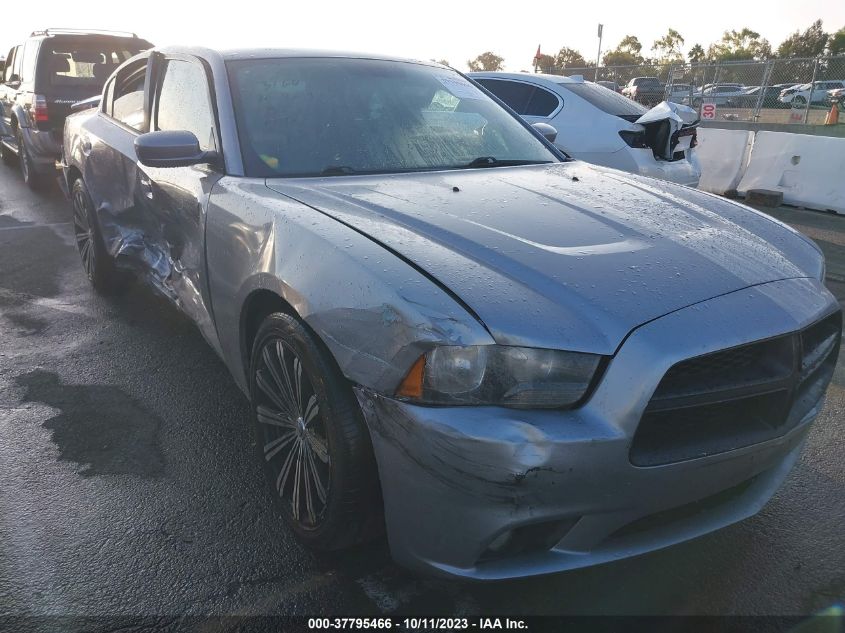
x: 491, y: 493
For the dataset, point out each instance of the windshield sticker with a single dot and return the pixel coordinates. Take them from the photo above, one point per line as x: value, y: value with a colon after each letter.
x: 461, y: 88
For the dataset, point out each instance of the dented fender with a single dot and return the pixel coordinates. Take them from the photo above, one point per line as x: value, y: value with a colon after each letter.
x: 376, y: 313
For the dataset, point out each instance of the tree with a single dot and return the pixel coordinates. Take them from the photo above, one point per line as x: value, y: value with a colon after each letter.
x: 836, y: 46
x: 569, y: 58
x: 740, y: 45
x: 546, y: 64
x: 696, y: 54
x: 486, y: 61
x: 442, y: 62
x: 810, y: 43
x: 627, y: 53
x: 669, y: 48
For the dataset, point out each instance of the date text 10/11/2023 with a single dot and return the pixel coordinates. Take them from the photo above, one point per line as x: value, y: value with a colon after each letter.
x: 416, y: 623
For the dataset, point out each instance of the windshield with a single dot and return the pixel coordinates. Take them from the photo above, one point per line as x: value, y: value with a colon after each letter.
x: 605, y: 100
x: 335, y: 116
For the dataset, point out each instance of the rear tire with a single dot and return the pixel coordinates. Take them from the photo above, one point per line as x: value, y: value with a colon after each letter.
x: 96, y: 261
x: 311, y: 438
x: 31, y: 177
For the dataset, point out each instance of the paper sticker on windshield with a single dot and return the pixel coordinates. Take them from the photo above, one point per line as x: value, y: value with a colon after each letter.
x: 461, y: 88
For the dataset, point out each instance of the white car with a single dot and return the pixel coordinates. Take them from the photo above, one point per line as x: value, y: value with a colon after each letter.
x: 821, y: 91
x: 595, y: 124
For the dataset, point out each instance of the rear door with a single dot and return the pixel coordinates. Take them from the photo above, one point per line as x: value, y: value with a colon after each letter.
x: 104, y: 148
x: 177, y: 197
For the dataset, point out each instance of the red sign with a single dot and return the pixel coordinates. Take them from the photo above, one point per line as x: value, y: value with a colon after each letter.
x: 708, y: 111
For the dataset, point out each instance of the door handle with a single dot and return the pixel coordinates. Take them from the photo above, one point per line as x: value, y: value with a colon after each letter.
x: 146, y: 187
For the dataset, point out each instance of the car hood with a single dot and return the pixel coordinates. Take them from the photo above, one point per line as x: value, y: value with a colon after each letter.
x: 565, y: 256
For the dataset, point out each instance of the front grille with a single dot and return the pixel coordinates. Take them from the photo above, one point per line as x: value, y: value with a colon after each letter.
x: 737, y: 397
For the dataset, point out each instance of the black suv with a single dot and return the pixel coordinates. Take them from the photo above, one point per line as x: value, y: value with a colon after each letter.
x: 43, y: 78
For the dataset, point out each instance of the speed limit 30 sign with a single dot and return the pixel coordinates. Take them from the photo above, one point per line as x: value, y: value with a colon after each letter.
x: 708, y: 111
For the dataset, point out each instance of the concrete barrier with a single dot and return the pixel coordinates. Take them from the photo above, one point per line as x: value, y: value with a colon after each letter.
x: 723, y: 155
x: 809, y: 170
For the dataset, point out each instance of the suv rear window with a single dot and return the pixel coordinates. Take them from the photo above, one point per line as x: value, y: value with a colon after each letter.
x: 85, y: 61
x: 647, y: 82
x: 606, y: 100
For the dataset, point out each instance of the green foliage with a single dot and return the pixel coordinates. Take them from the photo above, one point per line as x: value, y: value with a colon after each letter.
x: 627, y: 53
x: 836, y: 46
x: 486, y: 61
x: 669, y: 48
x: 739, y: 46
x: 547, y: 64
x: 696, y: 54
x: 810, y: 43
x: 569, y: 58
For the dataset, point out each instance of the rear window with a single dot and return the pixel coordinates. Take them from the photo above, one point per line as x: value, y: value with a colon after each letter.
x: 86, y: 61
x: 647, y: 82
x: 606, y: 100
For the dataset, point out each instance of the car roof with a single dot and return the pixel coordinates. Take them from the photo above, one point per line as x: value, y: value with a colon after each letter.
x: 228, y: 54
x: 535, y: 77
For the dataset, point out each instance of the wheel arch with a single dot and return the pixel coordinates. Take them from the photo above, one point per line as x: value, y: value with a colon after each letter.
x: 257, y: 306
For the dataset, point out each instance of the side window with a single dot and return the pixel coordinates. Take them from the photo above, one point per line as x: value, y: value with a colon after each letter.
x: 542, y: 103
x: 515, y: 94
x: 10, y: 62
x: 30, y: 51
x: 13, y: 66
x: 127, y: 98
x: 183, y: 102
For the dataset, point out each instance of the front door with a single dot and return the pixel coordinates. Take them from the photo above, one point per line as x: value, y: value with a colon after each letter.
x: 178, y: 196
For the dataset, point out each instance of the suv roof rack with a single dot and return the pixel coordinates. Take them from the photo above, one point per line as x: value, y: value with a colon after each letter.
x: 54, y: 31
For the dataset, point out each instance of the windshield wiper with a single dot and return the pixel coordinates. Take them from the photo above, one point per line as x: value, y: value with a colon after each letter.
x: 338, y: 170
x: 492, y: 161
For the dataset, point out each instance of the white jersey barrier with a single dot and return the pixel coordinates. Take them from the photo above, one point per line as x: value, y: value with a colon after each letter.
x: 809, y: 170
x: 723, y: 155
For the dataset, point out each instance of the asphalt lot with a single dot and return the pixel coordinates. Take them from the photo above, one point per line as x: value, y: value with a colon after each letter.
x: 128, y: 485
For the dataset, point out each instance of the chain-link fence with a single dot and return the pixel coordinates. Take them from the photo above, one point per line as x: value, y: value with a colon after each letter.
x: 792, y: 90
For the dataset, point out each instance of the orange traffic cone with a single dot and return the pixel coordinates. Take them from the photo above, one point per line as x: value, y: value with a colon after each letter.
x: 832, y: 117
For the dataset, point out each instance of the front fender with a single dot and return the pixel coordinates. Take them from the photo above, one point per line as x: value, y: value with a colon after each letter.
x: 375, y: 312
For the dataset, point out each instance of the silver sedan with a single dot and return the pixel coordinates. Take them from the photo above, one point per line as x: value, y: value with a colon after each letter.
x: 513, y: 362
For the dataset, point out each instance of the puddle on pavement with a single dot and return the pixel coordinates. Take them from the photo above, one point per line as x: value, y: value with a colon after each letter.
x: 99, y: 427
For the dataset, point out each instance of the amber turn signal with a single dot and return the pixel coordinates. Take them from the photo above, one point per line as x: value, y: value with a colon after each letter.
x: 412, y: 385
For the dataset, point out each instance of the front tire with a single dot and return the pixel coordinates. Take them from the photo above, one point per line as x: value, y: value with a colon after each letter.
x: 311, y: 438
x: 96, y: 261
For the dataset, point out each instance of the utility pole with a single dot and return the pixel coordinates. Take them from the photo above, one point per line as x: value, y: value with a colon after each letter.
x: 598, y: 55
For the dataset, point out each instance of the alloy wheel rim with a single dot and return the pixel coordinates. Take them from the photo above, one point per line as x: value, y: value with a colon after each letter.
x: 293, y: 437
x: 83, y: 232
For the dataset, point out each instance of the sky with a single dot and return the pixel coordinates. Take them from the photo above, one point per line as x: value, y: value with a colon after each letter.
x: 454, y: 30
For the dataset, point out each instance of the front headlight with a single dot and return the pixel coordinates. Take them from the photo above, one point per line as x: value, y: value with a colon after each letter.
x: 522, y: 377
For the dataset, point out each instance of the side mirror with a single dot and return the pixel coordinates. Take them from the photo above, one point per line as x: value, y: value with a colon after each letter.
x: 14, y: 79
x: 176, y: 148
x: 548, y: 131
